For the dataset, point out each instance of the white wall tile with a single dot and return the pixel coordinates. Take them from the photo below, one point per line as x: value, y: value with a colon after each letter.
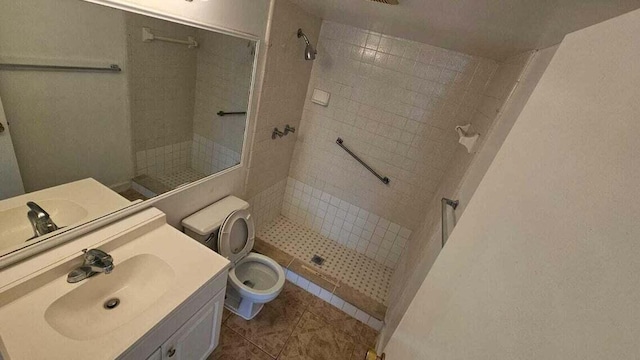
x: 395, y: 103
x: 302, y: 282
x: 349, y: 309
x: 339, y: 223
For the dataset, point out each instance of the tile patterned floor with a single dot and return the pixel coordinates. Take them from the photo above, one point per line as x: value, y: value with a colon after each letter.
x: 132, y: 195
x: 349, y: 266
x: 180, y: 177
x: 296, y: 325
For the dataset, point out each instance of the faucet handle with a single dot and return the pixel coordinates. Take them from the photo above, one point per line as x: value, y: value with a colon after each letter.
x: 97, y: 259
x: 94, y: 255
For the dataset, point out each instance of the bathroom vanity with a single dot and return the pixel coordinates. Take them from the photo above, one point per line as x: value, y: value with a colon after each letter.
x: 162, y: 300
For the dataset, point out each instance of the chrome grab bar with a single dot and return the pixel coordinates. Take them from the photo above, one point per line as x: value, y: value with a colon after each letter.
x: 223, y: 113
x: 454, y: 204
x: 383, y: 179
x: 111, y: 68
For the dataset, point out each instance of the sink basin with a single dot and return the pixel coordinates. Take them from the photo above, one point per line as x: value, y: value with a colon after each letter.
x: 137, y: 283
x: 15, y: 227
x: 68, y: 204
x: 157, y: 268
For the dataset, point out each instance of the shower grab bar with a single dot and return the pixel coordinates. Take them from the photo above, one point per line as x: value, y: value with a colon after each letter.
x: 384, y: 179
x: 223, y: 113
x: 454, y: 204
x: 111, y: 68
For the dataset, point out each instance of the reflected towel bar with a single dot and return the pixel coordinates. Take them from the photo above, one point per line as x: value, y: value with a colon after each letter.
x: 222, y: 113
x: 454, y: 204
x: 111, y: 68
x: 148, y: 36
x: 384, y: 179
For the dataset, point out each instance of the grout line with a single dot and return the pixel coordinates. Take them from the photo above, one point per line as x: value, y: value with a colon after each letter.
x: 294, y: 327
x: 249, y: 341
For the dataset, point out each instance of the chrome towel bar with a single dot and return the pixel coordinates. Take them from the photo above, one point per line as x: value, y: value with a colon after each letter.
x: 384, y: 179
x: 454, y: 204
x: 111, y: 68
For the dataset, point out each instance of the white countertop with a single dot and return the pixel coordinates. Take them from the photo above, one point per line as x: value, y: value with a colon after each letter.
x: 26, y: 334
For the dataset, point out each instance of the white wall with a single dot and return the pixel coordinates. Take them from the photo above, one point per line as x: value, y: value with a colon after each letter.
x: 543, y: 263
x: 54, y: 114
x: 281, y: 102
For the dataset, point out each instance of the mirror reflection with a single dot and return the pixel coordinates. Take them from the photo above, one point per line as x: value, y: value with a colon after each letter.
x: 138, y: 104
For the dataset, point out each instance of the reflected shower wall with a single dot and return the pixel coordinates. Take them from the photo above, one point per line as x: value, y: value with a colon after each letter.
x: 176, y: 92
x: 223, y: 83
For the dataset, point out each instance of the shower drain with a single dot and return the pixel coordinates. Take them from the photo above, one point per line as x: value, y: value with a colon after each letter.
x: 317, y: 259
x: 111, y: 303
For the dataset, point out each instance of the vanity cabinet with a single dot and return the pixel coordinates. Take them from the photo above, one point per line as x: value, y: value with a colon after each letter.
x: 199, y: 336
x: 191, y: 332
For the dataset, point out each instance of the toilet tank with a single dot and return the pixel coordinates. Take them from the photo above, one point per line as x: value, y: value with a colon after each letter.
x: 208, y: 220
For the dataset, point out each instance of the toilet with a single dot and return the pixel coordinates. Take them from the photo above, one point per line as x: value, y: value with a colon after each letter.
x: 227, y: 228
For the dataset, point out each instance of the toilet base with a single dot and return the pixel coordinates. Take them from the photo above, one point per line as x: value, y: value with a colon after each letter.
x: 239, y: 306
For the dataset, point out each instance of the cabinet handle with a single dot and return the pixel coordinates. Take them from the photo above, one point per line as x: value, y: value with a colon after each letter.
x: 171, y: 352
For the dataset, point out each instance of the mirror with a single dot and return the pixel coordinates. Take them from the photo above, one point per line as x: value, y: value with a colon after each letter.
x: 138, y: 104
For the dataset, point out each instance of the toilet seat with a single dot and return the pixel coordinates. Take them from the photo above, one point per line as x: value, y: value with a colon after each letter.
x: 260, y: 263
x: 264, y: 277
x: 236, y: 236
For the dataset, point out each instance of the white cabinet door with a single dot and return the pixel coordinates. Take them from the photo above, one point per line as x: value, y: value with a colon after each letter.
x: 157, y: 355
x: 197, y: 338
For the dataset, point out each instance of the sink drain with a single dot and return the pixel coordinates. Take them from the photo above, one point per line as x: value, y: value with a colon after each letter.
x: 111, y: 303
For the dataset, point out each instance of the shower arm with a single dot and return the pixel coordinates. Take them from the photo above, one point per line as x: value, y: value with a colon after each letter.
x: 302, y: 35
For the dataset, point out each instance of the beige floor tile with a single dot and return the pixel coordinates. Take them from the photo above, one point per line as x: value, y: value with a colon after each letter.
x: 271, y: 328
x: 361, y: 333
x: 232, y: 346
x: 315, y: 339
x: 360, y: 351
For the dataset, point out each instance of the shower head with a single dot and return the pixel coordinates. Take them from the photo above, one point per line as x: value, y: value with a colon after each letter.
x: 309, y: 51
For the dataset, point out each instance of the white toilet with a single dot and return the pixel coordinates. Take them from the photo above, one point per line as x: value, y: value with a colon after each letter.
x: 227, y: 227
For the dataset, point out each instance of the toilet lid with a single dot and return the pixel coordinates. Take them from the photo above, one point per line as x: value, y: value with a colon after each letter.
x: 236, y: 236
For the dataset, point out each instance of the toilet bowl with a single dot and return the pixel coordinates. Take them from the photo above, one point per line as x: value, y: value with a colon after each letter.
x: 257, y: 277
x: 228, y: 228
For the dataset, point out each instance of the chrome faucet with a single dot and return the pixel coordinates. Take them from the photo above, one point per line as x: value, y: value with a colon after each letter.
x: 289, y: 129
x: 277, y: 133
x: 40, y: 220
x: 95, y: 261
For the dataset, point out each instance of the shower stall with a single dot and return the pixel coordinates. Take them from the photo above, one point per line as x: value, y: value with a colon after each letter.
x: 350, y: 217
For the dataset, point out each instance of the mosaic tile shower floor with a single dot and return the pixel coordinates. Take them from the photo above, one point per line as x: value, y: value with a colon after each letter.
x: 349, y: 266
x: 180, y: 177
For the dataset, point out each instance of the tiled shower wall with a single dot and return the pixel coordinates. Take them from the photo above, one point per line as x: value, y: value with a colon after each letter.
x: 281, y: 102
x: 394, y: 102
x: 417, y: 258
x: 224, y: 68
x: 162, y: 78
x: 349, y: 225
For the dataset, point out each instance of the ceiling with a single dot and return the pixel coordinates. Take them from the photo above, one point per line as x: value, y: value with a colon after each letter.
x: 494, y: 29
